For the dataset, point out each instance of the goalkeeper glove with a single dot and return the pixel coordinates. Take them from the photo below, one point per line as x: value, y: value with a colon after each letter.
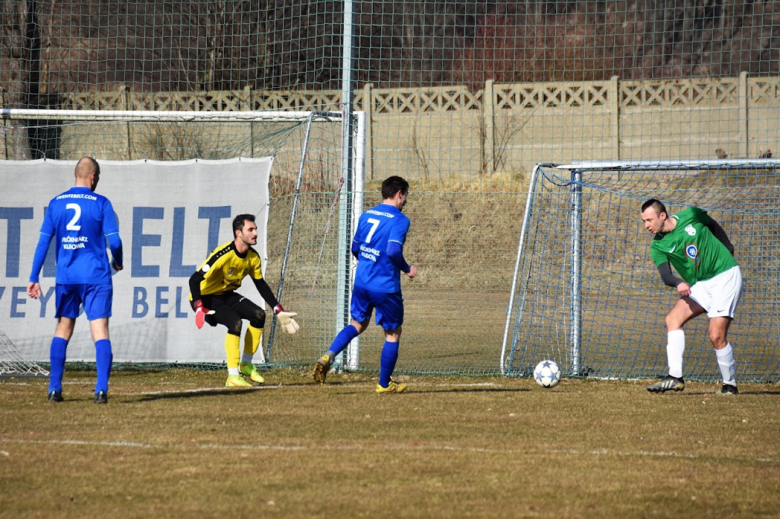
x: 286, y: 320
x: 200, y: 313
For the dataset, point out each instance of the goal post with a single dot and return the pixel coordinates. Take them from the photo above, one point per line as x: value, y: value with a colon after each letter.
x: 306, y: 153
x: 586, y: 293
x: 349, y: 202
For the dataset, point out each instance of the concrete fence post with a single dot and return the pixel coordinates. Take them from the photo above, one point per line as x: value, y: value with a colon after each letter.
x: 488, y: 105
x: 743, y: 115
x: 368, y: 108
x: 614, y: 107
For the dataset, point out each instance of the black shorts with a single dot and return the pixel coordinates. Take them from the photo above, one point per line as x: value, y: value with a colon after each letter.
x: 230, y: 308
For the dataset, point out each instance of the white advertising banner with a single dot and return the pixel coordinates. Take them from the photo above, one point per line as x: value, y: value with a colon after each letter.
x: 171, y: 216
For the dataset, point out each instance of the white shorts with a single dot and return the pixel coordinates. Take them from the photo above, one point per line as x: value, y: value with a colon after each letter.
x: 719, y: 296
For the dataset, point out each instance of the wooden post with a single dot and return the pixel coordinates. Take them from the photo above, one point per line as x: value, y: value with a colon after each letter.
x: 488, y: 104
x: 743, y: 115
x: 126, y: 106
x: 4, y: 133
x: 246, y: 105
x: 368, y: 108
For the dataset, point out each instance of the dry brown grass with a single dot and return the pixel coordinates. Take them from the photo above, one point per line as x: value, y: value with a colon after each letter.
x: 176, y: 443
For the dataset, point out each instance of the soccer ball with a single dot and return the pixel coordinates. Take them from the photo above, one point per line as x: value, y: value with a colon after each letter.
x: 547, y: 373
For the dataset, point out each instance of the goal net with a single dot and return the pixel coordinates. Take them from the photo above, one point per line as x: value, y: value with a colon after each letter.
x: 14, y: 364
x: 586, y: 293
x: 308, y: 223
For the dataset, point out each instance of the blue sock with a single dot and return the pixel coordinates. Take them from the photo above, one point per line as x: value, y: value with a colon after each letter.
x: 387, y: 363
x: 57, y: 359
x: 341, y: 341
x: 103, y: 357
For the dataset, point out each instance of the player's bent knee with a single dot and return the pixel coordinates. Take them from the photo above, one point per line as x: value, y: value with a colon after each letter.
x: 234, y: 327
x: 674, y: 321
x: 258, y: 321
x: 394, y: 334
x: 718, y: 338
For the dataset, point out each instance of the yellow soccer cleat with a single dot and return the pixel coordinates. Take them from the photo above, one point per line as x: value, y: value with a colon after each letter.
x: 392, y: 387
x: 248, y: 369
x: 321, y: 369
x: 236, y: 381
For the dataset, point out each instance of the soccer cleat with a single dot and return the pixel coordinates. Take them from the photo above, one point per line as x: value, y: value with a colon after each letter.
x: 321, y: 369
x: 55, y: 396
x: 668, y: 383
x: 728, y: 389
x: 392, y: 387
x: 101, y: 397
x: 248, y: 369
x: 236, y: 381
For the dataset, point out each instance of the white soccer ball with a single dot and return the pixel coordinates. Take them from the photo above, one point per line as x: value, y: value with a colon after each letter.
x: 547, y: 373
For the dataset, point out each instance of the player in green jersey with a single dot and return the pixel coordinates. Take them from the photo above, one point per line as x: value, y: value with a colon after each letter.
x: 700, y: 251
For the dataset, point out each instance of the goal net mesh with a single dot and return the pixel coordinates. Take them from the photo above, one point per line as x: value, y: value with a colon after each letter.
x: 588, y: 295
x: 13, y: 363
x: 304, y: 145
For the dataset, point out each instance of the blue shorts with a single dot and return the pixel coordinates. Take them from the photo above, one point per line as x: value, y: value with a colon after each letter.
x: 389, y: 307
x: 95, y: 298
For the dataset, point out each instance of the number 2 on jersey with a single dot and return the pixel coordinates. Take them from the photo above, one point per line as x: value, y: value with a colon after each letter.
x: 73, y: 223
x: 374, y: 224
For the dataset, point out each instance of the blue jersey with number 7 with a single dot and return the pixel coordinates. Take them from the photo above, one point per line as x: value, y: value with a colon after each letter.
x: 79, y: 220
x: 377, y: 228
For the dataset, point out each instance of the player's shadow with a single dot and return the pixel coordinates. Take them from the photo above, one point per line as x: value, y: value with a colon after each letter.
x: 701, y: 393
x: 470, y: 390
x: 432, y: 390
x: 222, y: 393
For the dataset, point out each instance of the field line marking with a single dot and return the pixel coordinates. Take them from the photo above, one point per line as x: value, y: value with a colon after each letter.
x: 81, y: 442
x: 396, y: 447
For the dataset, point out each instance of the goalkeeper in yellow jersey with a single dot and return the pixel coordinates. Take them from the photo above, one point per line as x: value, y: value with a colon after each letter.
x: 213, y: 297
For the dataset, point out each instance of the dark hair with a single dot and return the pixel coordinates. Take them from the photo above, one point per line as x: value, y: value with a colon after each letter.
x: 238, y: 222
x: 393, y: 185
x: 655, y: 204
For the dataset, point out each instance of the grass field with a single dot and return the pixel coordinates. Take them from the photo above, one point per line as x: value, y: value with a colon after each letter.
x: 177, y: 443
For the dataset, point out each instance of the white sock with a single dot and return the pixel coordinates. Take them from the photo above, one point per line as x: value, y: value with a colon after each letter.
x: 247, y: 357
x: 727, y: 365
x: 675, y: 347
x: 232, y: 371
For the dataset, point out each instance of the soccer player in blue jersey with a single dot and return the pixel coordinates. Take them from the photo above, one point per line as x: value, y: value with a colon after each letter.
x: 80, y: 222
x: 378, y: 246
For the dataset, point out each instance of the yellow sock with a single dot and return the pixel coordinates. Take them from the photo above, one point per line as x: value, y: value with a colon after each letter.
x: 252, y: 340
x: 233, y: 354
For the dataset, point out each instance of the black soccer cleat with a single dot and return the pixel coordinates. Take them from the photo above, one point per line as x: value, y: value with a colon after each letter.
x: 668, y: 383
x: 55, y: 397
x: 101, y: 397
x: 728, y: 389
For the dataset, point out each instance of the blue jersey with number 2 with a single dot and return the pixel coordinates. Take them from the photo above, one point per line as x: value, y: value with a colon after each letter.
x: 376, y: 228
x: 79, y: 220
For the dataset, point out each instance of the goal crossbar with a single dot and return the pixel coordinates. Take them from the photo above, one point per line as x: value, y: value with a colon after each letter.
x: 160, y: 116
x: 617, y: 165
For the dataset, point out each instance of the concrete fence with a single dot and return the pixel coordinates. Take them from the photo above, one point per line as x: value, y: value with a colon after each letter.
x: 447, y: 133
